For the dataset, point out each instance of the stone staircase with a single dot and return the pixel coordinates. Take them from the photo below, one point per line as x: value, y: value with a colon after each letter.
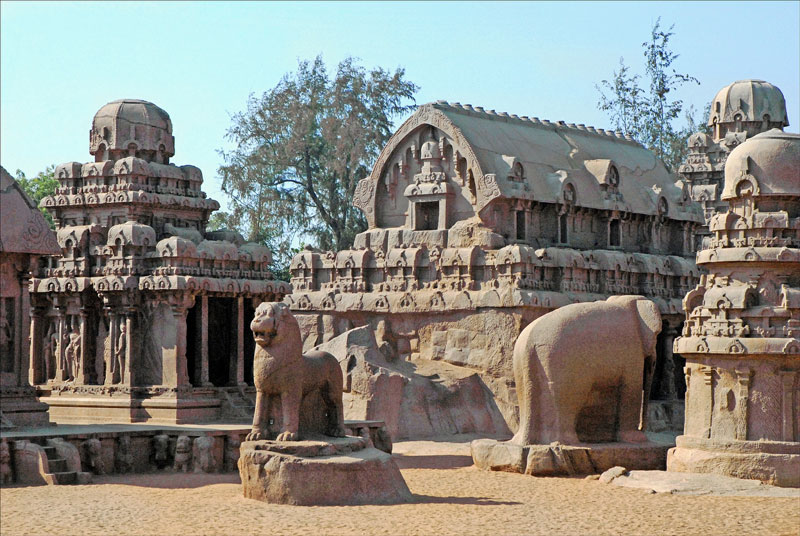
x: 57, y: 473
x: 237, y: 404
x: 50, y: 462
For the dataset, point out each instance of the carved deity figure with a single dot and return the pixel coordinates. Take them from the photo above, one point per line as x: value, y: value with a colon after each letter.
x: 72, y: 354
x: 6, y: 341
x: 118, y: 363
x: 50, y: 351
x: 183, y: 454
x: 6, y: 477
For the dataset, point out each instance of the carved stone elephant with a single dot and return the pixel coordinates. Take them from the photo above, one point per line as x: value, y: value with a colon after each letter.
x: 583, y: 372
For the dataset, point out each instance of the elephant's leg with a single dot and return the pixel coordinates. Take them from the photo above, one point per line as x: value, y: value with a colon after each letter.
x: 523, y: 379
x: 647, y: 385
x: 290, y: 404
x: 630, y: 401
x: 260, y: 418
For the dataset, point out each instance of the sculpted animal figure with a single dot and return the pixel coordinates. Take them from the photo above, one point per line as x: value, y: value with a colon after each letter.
x: 183, y: 454
x: 281, y: 369
x: 597, y: 355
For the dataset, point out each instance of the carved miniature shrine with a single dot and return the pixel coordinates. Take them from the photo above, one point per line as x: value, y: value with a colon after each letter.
x: 739, y: 111
x: 24, y: 237
x: 144, y: 315
x: 741, y: 339
x: 480, y: 222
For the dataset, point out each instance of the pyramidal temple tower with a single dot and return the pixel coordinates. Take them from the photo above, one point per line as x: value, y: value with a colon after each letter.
x: 120, y: 322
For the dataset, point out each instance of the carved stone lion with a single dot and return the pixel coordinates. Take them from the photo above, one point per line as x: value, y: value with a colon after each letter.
x: 281, y: 369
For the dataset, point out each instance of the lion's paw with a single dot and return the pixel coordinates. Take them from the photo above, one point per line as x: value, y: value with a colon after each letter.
x: 339, y: 431
x: 254, y: 436
x: 288, y: 436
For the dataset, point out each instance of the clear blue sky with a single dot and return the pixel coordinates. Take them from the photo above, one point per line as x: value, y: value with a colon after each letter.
x: 59, y: 62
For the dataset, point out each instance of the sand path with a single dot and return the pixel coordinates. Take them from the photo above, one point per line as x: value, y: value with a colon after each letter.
x: 451, y: 497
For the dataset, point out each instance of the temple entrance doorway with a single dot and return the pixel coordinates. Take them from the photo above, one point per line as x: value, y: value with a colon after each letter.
x: 222, y: 316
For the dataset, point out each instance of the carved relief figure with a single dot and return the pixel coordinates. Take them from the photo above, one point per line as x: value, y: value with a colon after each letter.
x: 92, y: 450
x: 123, y: 458
x: 6, y: 476
x: 280, y: 368
x: 558, y: 374
x: 72, y: 354
x: 232, y: 445
x: 183, y: 454
x: 161, y: 450
x: 50, y: 352
x: 204, y: 459
x: 118, y: 363
x: 6, y: 341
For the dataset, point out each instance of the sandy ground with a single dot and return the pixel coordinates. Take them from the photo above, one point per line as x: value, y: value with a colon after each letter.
x: 450, y: 497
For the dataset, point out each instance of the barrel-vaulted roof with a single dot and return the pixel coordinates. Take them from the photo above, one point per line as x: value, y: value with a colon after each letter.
x: 23, y: 228
x: 605, y: 169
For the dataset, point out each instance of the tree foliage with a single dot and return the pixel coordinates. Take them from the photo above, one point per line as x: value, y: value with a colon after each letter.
x: 39, y: 187
x: 649, y: 113
x: 301, y: 148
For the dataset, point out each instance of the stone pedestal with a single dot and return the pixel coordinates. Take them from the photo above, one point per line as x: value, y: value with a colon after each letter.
x: 557, y: 460
x: 327, y: 471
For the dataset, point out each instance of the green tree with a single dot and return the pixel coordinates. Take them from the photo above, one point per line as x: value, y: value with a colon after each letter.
x: 39, y: 187
x: 301, y: 148
x: 648, y: 114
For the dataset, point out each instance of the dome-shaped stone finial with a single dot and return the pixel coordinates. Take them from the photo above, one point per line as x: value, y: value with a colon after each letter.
x: 131, y: 127
x: 748, y: 105
x: 764, y: 165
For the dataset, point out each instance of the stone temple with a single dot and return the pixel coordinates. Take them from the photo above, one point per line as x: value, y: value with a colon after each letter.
x: 741, y: 339
x: 24, y: 239
x: 738, y: 112
x: 479, y: 223
x: 144, y: 315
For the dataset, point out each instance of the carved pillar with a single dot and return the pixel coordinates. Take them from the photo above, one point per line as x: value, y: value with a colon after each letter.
x: 127, y: 372
x: 240, y: 333
x: 743, y: 396
x: 668, y: 390
x: 787, y: 405
x: 24, y: 327
x: 81, y: 358
x: 204, y: 342
x: 36, y: 368
x: 181, y: 372
x: 708, y: 380
x: 687, y: 374
x: 111, y: 356
x: 59, y: 351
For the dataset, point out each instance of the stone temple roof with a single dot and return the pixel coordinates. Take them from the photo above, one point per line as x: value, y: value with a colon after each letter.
x: 553, y: 154
x: 771, y: 158
x: 752, y: 100
x: 23, y: 228
x: 123, y: 122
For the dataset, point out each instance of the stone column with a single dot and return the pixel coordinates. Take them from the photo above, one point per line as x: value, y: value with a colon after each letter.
x: 181, y: 369
x: 240, y: 334
x: 708, y: 380
x: 126, y: 375
x: 25, y: 335
x: 743, y: 396
x: 787, y: 406
x: 204, y: 342
x: 687, y: 374
x: 59, y: 356
x: 110, y: 357
x: 668, y: 391
x: 80, y: 365
x: 36, y: 367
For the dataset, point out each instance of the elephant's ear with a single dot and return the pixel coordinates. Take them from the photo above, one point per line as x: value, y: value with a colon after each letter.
x: 650, y: 316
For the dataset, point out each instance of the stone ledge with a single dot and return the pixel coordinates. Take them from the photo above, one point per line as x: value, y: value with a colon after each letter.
x: 556, y: 459
x: 341, y: 471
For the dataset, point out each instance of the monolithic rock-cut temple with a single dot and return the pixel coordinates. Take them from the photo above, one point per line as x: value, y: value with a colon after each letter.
x: 741, y: 339
x: 24, y: 238
x: 738, y: 112
x: 144, y: 315
x: 480, y: 222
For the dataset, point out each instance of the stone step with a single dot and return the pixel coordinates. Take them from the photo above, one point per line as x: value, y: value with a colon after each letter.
x: 65, y: 478
x: 50, y: 452
x: 57, y: 465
